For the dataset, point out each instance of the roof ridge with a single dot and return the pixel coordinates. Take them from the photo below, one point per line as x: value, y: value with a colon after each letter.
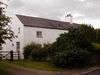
x: 44, y: 23
x: 41, y: 18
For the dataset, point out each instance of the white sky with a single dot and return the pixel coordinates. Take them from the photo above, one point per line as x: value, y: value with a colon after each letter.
x: 83, y: 11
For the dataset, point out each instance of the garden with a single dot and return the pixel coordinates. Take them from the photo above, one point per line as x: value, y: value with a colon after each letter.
x: 77, y: 49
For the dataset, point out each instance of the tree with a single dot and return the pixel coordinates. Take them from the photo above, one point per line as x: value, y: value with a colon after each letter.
x: 97, y: 36
x: 5, y: 30
x: 89, y: 32
x: 71, y: 49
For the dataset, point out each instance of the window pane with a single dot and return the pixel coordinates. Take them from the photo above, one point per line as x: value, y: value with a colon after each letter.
x: 0, y: 47
x: 17, y: 46
x: 19, y: 30
x: 39, y: 34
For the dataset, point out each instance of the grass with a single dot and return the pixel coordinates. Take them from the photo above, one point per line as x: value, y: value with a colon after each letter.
x: 37, y: 65
x: 5, y: 66
x: 3, y: 69
x: 96, y: 45
x: 3, y: 72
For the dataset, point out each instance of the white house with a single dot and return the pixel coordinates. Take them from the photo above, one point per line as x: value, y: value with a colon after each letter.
x: 32, y: 29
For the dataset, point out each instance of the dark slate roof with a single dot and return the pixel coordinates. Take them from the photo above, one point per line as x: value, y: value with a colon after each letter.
x: 45, y: 23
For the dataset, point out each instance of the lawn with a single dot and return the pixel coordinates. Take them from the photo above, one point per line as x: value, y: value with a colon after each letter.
x: 37, y: 65
x: 96, y: 45
x: 3, y: 72
x: 9, y: 68
x: 3, y: 69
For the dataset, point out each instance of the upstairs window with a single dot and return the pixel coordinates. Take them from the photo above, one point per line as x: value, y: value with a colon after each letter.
x: 39, y: 34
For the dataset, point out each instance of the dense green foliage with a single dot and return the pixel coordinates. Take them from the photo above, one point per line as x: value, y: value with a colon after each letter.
x: 4, y: 69
x: 4, y: 72
x: 30, y: 48
x: 97, y: 36
x: 71, y: 49
x: 89, y: 32
x: 5, y: 31
x: 96, y: 47
x: 96, y: 53
x: 36, y: 52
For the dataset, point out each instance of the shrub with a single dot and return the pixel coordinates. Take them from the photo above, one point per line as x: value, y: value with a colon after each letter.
x: 71, y: 49
x: 71, y: 58
x: 96, y: 53
x: 41, y: 54
x: 46, y: 49
x: 96, y: 48
x: 28, y: 49
x: 97, y: 40
x: 36, y: 52
x: 89, y: 32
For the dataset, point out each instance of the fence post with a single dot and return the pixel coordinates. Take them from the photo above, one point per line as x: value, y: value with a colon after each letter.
x: 18, y: 55
x: 11, y: 55
x: 0, y: 55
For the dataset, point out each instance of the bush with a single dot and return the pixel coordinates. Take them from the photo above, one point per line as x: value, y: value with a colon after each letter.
x: 71, y: 49
x: 97, y: 40
x: 89, y: 32
x: 36, y: 52
x: 28, y: 49
x: 41, y: 54
x: 71, y: 58
x: 96, y: 48
x: 96, y: 53
x: 46, y: 49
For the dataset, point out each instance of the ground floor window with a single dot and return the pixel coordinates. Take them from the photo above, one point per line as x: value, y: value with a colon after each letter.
x: 0, y: 47
x: 17, y: 46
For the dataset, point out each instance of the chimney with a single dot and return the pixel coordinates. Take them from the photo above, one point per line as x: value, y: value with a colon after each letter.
x: 69, y: 18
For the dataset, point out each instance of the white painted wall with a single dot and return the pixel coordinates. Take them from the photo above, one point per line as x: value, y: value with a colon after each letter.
x: 49, y: 35
x: 28, y: 35
x: 15, y: 24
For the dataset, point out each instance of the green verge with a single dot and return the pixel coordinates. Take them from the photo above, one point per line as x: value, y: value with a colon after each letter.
x: 37, y: 65
x: 3, y: 69
x: 96, y: 45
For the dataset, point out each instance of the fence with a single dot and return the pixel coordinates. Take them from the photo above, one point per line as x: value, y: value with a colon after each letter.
x: 10, y: 55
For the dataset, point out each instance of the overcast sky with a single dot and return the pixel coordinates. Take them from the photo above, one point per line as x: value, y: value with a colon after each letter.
x: 83, y: 11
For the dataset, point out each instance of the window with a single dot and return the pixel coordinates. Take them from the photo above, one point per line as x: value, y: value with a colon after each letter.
x: 17, y: 46
x: 19, y: 30
x: 39, y: 34
x: 0, y: 47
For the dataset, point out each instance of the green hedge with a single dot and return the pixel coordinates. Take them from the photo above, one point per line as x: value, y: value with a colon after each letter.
x: 96, y: 47
x: 96, y: 53
x: 36, y: 52
x: 72, y: 49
